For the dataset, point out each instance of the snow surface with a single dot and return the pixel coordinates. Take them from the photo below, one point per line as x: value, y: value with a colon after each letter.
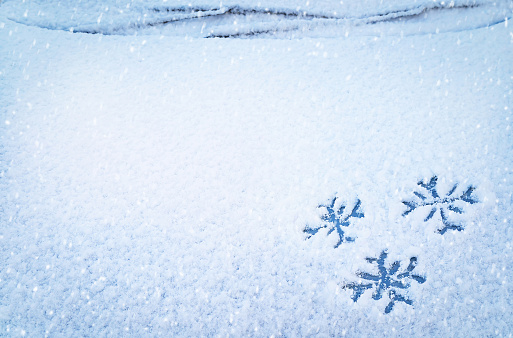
x: 160, y: 184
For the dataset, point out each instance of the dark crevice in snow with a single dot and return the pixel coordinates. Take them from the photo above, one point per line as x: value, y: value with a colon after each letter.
x: 369, y: 20
x: 412, y: 13
x: 238, y: 10
x: 252, y: 33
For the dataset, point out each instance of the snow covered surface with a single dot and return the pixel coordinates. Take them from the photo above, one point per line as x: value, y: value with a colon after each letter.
x: 155, y: 182
x: 209, y: 18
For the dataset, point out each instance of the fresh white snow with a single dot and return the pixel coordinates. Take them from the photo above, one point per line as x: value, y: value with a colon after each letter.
x: 154, y: 182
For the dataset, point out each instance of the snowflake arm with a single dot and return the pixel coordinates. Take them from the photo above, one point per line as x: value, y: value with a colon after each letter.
x: 467, y: 196
x: 395, y: 297
x: 410, y: 268
x: 455, y: 209
x: 431, y: 186
x: 431, y: 214
x: 356, y: 213
x: 358, y: 289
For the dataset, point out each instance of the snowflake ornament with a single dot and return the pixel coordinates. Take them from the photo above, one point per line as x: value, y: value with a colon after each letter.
x: 386, y: 281
x: 335, y: 219
x: 428, y: 197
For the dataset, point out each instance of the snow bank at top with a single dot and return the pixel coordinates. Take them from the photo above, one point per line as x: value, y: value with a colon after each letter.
x: 122, y: 16
x: 88, y: 11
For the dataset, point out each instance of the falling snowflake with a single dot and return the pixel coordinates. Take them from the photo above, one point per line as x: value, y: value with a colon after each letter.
x: 429, y: 198
x: 335, y: 218
x: 386, y: 281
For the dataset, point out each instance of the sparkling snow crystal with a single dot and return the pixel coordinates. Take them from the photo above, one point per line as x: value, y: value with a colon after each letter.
x: 429, y: 197
x: 386, y: 280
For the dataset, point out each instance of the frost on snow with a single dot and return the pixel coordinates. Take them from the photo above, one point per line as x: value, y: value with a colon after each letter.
x: 386, y: 280
x: 429, y: 197
x: 335, y: 219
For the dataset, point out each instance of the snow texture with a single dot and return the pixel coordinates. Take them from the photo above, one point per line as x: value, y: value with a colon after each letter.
x: 157, y: 182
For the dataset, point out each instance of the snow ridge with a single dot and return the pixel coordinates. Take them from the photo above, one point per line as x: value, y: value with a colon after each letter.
x: 243, y: 20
